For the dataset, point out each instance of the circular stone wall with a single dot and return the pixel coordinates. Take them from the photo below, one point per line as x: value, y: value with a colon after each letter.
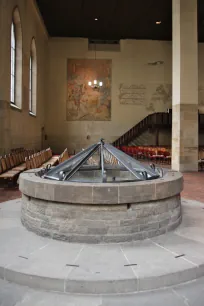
x: 101, y: 213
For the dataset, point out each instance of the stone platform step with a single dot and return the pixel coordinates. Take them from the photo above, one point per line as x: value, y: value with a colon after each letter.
x: 37, y: 262
x: 188, y: 294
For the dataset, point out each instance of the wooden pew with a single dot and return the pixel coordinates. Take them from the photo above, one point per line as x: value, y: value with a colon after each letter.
x: 6, y: 171
x: 41, y: 159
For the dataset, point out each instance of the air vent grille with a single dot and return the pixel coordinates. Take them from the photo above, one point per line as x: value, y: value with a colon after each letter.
x: 104, y: 42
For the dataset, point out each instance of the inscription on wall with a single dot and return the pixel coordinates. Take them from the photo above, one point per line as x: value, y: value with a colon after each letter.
x: 151, y: 96
x: 132, y: 94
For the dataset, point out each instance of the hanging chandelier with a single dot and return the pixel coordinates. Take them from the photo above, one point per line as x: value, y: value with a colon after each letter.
x: 95, y: 84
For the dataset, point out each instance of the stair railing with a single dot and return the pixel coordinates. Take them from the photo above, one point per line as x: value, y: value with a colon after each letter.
x: 152, y: 121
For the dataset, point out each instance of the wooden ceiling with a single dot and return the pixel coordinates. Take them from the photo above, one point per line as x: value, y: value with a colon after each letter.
x: 117, y: 19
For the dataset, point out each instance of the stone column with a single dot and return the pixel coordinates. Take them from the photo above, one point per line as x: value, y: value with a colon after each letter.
x: 185, y: 86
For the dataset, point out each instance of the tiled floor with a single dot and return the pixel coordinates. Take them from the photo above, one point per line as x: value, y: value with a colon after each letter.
x: 193, y: 188
x: 9, y: 194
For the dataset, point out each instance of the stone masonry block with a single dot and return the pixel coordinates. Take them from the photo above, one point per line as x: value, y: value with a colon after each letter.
x: 105, y: 195
x: 164, y: 223
x: 174, y: 224
x: 101, y: 213
x: 49, y: 225
x: 176, y: 214
x: 149, y: 226
x: 98, y: 231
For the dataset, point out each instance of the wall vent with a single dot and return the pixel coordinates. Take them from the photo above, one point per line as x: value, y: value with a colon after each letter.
x: 104, y: 42
x: 104, y: 45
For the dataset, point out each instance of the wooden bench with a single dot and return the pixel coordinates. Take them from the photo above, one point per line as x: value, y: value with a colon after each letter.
x: 6, y: 172
x: 41, y: 159
x: 50, y: 159
x: 11, y: 165
x: 64, y: 156
x: 18, y: 161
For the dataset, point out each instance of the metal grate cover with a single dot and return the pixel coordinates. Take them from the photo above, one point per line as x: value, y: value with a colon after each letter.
x: 111, y: 165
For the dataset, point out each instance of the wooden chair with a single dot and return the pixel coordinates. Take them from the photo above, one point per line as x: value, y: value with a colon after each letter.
x: 66, y: 154
x: 50, y: 160
x: 28, y: 164
x: 5, y: 173
x: 19, y: 162
x: 7, y: 160
x: 11, y: 160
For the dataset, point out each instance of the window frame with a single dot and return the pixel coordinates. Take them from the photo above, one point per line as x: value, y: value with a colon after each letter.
x: 13, y: 65
x: 16, y: 61
x: 32, y: 86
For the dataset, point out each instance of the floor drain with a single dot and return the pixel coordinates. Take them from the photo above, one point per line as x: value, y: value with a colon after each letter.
x: 23, y: 257
x: 129, y: 265
x: 68, y: 265
x: 179, y: 255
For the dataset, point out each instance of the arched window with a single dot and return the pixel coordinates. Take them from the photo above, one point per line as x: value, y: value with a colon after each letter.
x: 16, y: 60
x: 33, y: 79
x: 13, y: 63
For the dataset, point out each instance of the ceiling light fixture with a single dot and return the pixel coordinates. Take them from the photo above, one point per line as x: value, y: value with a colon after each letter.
x: 158, y: 22
x: 96, y: 85
x: 96, y: 19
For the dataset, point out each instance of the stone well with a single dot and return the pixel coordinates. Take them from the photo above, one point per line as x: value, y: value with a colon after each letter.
x: 101, y: 213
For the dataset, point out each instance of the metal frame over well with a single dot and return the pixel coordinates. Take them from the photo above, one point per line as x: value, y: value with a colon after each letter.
x: 109, y: 158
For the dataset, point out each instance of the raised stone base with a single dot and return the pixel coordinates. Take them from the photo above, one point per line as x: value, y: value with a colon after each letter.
x: 48, y: 264
x: 100, y: 224
x: 101, y: 213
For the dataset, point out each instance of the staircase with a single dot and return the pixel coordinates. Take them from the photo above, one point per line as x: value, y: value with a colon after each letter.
x: 152, y: 122
x: 147, y: 138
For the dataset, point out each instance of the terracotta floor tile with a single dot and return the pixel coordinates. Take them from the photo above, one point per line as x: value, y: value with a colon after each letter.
x: 194, y: 186
x: 7, y: 194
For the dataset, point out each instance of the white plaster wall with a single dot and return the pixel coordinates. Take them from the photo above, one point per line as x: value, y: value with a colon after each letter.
x: 18, y: 128
x: 129, y: 66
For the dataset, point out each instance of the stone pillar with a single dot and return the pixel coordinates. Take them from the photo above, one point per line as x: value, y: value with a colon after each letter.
x: 185, y: 86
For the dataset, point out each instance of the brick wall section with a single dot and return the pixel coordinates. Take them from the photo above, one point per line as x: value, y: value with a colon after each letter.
x: 101, y: 223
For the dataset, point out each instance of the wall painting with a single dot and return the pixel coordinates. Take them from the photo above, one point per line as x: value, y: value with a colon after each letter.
x: 84, y: 103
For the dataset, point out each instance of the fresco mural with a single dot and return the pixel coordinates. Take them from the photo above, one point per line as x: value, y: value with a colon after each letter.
x: 84, y: 103
x: 161, y: 96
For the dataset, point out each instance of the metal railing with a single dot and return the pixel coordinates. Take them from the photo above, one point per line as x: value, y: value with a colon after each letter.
x: 152, y: 121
